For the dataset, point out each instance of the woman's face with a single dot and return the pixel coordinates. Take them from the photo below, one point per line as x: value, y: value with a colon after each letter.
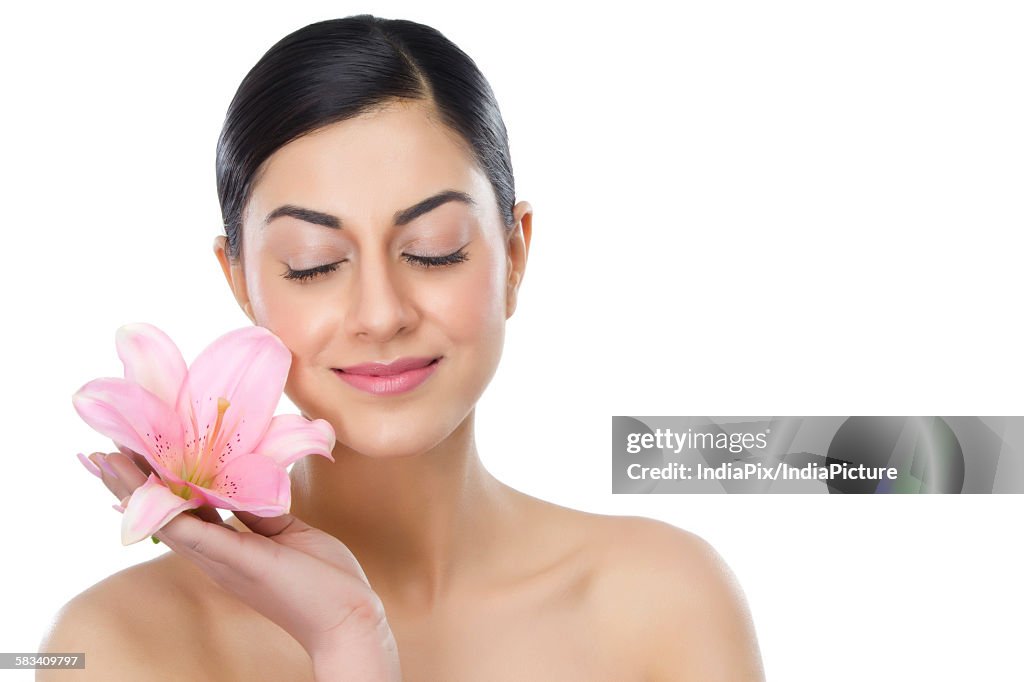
x: 418, y: 266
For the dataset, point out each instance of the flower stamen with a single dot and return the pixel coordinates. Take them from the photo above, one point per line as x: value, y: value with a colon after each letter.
x: 211, y: 439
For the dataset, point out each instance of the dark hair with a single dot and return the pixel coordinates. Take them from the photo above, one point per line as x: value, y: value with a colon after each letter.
x: 337, y: 69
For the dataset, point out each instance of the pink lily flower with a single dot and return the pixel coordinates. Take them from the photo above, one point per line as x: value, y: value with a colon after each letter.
x: 208, y: 431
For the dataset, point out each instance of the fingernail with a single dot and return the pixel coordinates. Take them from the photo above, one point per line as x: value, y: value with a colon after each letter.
x: 121, y: 507
x: 90, y: 465
x: 108, y: 469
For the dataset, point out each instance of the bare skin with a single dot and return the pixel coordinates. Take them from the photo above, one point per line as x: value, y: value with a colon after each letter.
x: 479, y: 581
x: 580, y: 596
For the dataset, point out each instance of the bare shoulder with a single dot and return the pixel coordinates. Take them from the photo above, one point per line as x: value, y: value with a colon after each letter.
x: 126, y: 625
x: 164, y: 619
x: 671, y: 598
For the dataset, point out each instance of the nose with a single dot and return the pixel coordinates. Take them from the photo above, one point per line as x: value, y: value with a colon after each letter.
x: 379, y: 309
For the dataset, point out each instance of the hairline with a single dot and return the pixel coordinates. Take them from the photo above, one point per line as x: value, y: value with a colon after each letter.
x: 433, y: 114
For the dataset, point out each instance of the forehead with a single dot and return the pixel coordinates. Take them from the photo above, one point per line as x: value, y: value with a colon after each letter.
x: 365, y: 168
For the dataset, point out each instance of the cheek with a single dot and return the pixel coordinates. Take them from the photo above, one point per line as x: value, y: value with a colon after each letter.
x: 470, y: 307
x: 303, y: 322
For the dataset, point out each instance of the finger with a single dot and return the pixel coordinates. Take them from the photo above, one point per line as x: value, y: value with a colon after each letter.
x: 269, y: 526
x: 295, y: 533
x: 125, y: 469
x: 112, y: 476
x: 214, y: 547
x: 211, y: 515
x: 139, y: 460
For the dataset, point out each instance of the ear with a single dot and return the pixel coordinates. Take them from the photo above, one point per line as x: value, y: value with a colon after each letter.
x: 234, y: 274
x: 517, y: 248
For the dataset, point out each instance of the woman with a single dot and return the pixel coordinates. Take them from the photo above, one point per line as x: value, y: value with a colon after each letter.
x: 371, y: 223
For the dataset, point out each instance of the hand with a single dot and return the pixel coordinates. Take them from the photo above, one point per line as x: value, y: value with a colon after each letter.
x: 301, y: 578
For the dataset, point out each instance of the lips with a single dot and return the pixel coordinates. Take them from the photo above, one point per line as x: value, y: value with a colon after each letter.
x: 397, y: 377
x: 377, y: 369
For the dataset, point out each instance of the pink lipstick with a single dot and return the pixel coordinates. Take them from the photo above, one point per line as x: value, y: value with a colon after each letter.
x: 404, y: 374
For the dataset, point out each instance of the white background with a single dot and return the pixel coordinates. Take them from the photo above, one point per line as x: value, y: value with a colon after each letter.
x: 789, y: 208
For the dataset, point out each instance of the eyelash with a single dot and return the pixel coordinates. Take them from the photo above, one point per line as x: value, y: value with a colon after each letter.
x: 425, y: 261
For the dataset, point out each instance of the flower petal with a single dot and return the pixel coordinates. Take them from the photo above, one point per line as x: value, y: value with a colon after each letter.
x: 130, y: 415
x: 247, y: 367
x: 292, y: 436
x: 150, y: 508
x: 151, y: 360
x: 252, y: 483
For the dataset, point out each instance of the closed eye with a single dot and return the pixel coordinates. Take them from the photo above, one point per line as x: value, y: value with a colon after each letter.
x: 304, y: 275
x: 435, y: 261
x: 422, y: 261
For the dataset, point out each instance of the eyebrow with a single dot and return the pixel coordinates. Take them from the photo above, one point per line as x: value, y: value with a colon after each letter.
x: 402, y: 217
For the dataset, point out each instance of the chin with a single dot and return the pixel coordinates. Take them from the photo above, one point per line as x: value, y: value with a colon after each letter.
x: 392, y: 436
x: 388, y: 448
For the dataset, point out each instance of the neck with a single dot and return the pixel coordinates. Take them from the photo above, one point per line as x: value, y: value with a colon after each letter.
x: 415, y: 523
